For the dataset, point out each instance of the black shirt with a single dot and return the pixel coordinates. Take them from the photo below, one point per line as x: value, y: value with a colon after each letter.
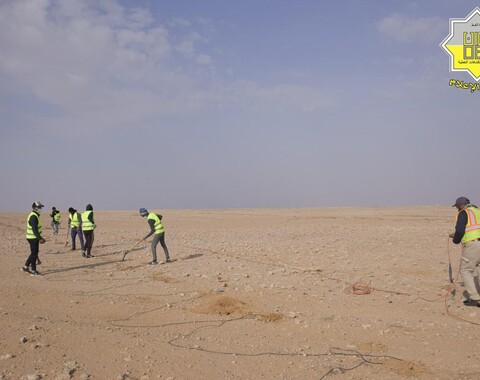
x: 462, y: 221
x: 33, y: 221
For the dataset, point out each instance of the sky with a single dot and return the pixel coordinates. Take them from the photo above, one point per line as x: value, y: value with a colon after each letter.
x: 187, y: 104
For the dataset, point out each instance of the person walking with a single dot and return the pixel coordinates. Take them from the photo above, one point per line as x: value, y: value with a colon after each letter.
x: 34, y: 238
x: 467, y: 232
x: 75, y: 223
x: 158, y: 231
x: 55, y: 220
x: 88, y: 226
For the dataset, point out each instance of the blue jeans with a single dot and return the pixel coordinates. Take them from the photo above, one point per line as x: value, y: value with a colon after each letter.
x: 77, y: 231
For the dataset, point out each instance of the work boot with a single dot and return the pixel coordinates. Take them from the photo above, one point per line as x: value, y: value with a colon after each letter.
x: 153, y: 263
x: 471, y: 302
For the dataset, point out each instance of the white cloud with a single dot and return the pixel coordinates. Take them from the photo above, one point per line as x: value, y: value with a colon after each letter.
x: 411, y: 29
x: 96, y: 64
x: 203, y: 59
x: 179, y: 22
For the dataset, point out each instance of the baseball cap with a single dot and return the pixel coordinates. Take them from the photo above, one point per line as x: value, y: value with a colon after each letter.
x: 461, y: 201
x: 37, y: 204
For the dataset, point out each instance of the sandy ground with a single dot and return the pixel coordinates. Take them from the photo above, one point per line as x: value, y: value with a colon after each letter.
x: 251, y: 294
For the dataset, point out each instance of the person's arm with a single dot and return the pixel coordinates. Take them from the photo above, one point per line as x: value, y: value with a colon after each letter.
x: 92, y: 220
x: 151, y: 223
x: 462, y: 221
x: 79, y: 218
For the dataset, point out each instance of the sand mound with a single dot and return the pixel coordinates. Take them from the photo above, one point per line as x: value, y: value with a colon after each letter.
x: 221, y: 305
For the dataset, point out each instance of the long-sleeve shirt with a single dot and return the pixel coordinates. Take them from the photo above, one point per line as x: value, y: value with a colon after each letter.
x: 33, y: 221
x: 151, y: 223
x: 462, y: 221
x: 53, y: 214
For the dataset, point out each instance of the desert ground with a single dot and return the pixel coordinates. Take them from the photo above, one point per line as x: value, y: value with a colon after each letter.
x: 327, y: 293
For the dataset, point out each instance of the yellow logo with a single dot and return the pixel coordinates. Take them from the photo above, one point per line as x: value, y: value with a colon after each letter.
x: 463, y: 44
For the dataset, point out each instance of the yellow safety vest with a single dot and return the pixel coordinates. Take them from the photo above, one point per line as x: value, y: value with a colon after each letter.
x: 472, y: 229
x: 86, y: 224
x: 30, y: 234
x: 56, y: 217
x: 74, y: 222
x: 159, y: 229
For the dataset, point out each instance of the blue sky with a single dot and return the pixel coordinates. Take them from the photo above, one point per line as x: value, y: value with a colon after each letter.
x: 219, y: 104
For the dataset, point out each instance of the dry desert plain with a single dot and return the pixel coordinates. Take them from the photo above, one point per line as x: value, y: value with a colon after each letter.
x: 251, y: 294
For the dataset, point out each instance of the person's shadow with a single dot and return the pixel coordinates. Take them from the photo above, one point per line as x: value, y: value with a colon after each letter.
x: 193, y: 256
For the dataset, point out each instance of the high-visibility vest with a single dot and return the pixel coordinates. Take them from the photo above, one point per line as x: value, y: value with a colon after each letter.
x: 159, y: 229
x: 56, y: 217
x: 86, y: 224
x: 472, y: 229
x: 30, y: 234
x: 74, y: 222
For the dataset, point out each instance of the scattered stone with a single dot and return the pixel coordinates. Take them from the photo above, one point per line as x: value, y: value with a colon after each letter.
x: 34, y: 327
x: 6, y: 356
x: 70, y: 367
x: 23, y: 339
x: 123, y: 376
x: 34, y: 377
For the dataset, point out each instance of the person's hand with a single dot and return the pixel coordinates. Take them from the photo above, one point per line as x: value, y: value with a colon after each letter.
x: 41, y: 241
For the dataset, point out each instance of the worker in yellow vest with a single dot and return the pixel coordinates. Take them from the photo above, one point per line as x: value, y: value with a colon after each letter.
x: 158, y: 232
x: 467, y: 232
x: 34, y: 238
x: 88, y: 226
x: 75, y: 224
x: 55, y: 215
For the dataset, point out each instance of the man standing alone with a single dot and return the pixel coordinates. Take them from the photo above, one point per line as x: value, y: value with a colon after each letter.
x: 88, y: 226
x: 467, y: 232
x: 158, y: 232
x: 34, y: 238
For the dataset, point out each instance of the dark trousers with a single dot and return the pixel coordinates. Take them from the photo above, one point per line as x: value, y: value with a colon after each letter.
x: 75, y: 232
x: 156, y: 239
x: 88, y: 241
x: 34, y: 249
